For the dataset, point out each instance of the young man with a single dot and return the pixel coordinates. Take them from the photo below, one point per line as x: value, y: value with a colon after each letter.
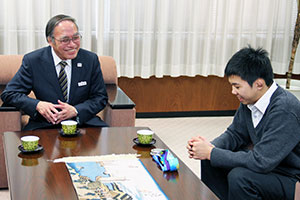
x: 66, y: 80
x: 258, y: 156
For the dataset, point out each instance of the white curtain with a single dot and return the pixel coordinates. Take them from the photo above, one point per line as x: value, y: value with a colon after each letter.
x: 159, y: 37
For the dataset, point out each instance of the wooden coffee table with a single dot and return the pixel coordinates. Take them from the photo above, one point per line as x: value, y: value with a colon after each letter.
x: 35, y: 176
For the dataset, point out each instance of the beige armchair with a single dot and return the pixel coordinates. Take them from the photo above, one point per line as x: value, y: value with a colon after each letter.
x: 120, y: 110
x: 297, y: 191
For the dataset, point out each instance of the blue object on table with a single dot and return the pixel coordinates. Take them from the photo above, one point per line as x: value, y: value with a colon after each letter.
x: 166, y: 161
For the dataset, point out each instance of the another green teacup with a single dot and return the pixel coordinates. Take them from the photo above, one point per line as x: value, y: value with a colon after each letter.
x: 30, y: 143
x: 145, y: 136
x: 69, y: 126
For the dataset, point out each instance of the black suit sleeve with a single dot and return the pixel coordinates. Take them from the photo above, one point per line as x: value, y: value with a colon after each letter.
x: 18, y: 88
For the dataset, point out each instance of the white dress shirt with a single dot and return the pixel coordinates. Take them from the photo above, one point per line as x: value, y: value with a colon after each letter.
x: 258, y: 109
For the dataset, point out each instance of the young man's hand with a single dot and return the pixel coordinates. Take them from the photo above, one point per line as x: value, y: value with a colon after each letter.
x: 199, y: 148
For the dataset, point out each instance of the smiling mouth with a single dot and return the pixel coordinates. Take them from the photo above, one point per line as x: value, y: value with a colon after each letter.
x: 71, y: 50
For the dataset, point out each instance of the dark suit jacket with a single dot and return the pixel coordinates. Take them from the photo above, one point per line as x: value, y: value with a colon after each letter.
x: 37, y: 73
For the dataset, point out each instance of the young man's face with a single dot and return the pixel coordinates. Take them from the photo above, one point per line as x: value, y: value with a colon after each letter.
x: 243, y: 91
x: 62, y: 32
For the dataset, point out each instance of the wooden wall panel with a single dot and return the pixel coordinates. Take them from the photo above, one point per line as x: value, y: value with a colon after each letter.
x: 179, y: 94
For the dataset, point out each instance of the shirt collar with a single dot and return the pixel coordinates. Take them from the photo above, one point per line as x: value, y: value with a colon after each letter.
x: 264, y: 101
x: 57, y: 59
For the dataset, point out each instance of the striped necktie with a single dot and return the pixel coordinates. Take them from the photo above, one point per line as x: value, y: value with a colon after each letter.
x: 63, y: 80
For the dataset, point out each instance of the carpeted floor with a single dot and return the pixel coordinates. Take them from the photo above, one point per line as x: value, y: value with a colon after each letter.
x: 4, y: 194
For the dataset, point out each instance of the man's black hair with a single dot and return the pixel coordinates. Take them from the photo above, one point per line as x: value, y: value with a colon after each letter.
x: 250, y: 64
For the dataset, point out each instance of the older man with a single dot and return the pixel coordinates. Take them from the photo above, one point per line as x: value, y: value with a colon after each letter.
x: 66, y: 80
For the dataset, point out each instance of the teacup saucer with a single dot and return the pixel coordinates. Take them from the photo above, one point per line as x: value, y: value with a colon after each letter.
x: 136, y: 141
x: 38, y: 149
x: 77, y: 132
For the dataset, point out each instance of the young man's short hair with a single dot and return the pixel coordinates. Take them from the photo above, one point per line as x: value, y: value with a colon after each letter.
x: 250, y: 64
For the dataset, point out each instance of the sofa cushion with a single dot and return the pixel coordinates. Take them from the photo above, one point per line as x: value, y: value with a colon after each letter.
x: 9, y: 65
x: 109, y: 70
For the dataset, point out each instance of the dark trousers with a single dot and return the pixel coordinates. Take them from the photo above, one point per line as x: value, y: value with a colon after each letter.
x: 242, y: 184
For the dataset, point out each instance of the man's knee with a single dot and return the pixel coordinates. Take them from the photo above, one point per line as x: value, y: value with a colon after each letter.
x: 205, y: 170
x: 205, y: 164
x: 238, y: 177
x: 215, y: 179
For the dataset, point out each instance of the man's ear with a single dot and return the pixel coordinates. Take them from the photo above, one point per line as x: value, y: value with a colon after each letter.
x: 49, y: 39
x: 259, y: 83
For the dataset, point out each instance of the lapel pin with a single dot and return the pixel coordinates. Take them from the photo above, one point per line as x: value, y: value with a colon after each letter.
x: 82, y: 83
x: 79, y: 64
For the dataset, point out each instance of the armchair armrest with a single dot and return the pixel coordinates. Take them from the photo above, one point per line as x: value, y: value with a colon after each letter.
x: 10, y: 118
x: 117, y: 99
x: 120, y: 110
x: 7, y: 109
x: 297, y: 191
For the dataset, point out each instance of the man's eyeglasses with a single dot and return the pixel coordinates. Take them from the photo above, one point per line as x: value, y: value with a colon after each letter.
x: 67, y: 40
